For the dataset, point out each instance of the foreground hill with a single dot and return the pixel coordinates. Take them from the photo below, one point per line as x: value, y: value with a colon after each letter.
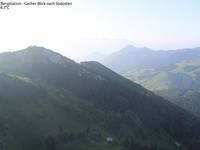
x: 49, y: 102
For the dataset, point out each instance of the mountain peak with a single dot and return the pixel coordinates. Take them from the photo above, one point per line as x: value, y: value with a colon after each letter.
x: 131, y: 48
x: 41, y: 54
x: 36, y: 49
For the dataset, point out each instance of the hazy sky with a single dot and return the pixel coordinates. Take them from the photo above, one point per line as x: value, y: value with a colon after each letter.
x: 158, y: 24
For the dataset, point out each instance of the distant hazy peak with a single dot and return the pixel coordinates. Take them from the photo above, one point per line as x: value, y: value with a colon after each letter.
x: 131, y: 48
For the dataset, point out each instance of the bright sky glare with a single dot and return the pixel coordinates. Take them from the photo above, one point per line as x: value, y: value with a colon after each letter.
x: 158, y: 24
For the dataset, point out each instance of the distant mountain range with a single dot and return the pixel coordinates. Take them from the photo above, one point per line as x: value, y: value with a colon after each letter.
x: 50, y: 102
x: 96, y: 49
x: 173, y: 74
x: 131, y: 58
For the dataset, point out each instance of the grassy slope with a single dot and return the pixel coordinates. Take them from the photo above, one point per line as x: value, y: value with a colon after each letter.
x: 179, y: 83
x: 40, y: 112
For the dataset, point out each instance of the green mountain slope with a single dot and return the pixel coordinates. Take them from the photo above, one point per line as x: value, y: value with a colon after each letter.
x: 49, y: 102
x: 179, y: 83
